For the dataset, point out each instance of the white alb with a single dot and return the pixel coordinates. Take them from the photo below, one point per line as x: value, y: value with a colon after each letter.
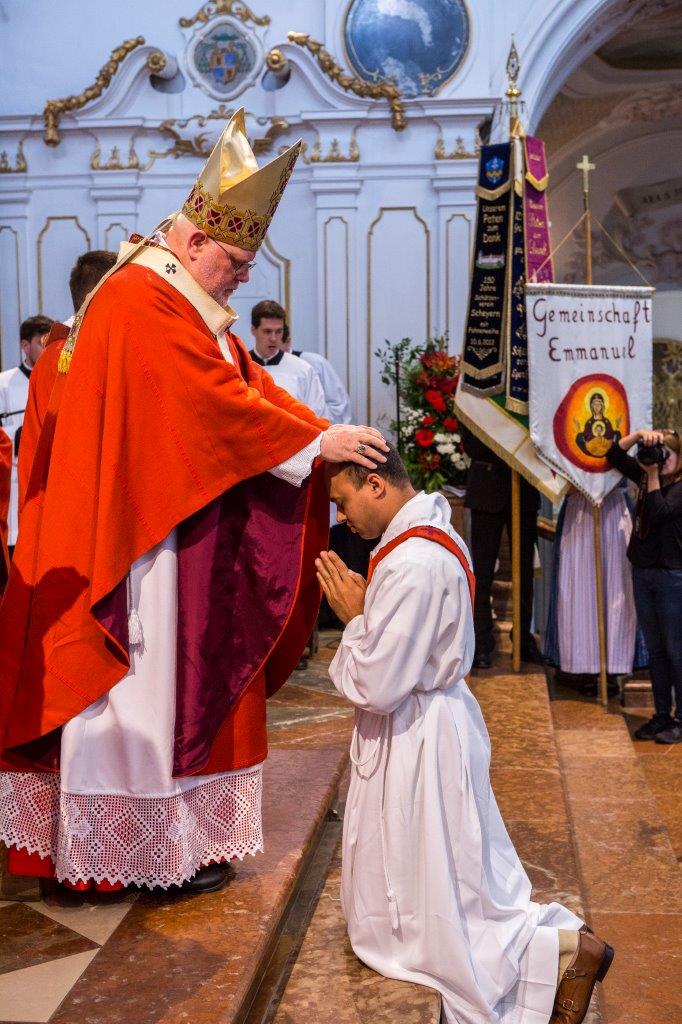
x: 432, y: 888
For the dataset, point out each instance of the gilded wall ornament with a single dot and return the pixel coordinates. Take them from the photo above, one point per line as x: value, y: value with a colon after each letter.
x: 55, y: 108
x: 334, y: 155
x: 460, y: 151
x: 200, y: 143
x: 365, y: 90
x: 18, y: 167
x: 235, y: 8
x: 115, y: 163
x: 156, y: 62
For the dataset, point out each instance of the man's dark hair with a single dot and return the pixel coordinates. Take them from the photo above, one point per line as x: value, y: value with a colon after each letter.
x: 34, y: 325
x: 87, y: 272
x: 392, y: 470
x: 268, y: 309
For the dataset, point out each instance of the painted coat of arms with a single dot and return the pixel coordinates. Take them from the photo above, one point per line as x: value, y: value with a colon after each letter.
x: 223, y: 59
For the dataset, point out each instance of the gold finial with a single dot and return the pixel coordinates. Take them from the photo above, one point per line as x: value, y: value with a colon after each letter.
x: 513, y: 92
x: 513, y: 68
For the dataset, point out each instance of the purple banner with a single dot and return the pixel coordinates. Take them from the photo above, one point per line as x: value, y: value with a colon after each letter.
x: 536, y: 216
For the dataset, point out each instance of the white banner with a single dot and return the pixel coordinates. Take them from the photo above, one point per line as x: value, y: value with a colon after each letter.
x: 590, y: 370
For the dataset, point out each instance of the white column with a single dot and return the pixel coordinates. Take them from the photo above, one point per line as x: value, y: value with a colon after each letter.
x: 116, y: 197
x: 454, y: 183
x: 16, y: 300
x: 336, y: 189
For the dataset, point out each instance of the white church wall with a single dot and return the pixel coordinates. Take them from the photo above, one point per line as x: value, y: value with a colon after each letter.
x: 372, y: 239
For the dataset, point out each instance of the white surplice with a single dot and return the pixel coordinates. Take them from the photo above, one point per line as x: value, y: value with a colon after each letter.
x: 432, y: 888
x: 115, y: 812
x: 335, y: 395
x: 300, y: 380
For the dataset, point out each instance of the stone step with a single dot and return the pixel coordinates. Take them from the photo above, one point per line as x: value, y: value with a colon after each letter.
x: 630, y: 872
x: 202, y: 959
x: 329, y: 985
x: 526, y: 778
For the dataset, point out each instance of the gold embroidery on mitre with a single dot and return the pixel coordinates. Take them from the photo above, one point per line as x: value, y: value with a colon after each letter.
x: 234, y: 200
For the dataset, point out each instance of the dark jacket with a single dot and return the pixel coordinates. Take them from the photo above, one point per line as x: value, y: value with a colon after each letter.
x: 660, y: 543
x: 489, y: 480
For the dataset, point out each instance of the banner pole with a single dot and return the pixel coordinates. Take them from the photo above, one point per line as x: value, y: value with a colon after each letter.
x: 516, y: 568
x: 585, y: 166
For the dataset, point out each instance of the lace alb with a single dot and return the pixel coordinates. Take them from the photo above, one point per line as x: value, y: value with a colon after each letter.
x: 131, y: 839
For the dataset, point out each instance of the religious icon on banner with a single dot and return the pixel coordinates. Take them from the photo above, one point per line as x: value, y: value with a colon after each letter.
x: 591, y: 417
x: 590, y: 359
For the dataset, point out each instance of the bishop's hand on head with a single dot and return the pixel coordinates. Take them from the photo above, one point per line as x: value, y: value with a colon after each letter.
x: 347, y: 443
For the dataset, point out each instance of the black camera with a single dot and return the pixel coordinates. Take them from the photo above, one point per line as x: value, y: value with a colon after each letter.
x: 651, y: 454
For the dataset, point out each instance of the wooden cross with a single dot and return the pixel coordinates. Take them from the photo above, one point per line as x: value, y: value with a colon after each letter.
x: 585, y: 166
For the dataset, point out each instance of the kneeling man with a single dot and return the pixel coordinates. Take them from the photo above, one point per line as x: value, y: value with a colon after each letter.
x: 433, y: 891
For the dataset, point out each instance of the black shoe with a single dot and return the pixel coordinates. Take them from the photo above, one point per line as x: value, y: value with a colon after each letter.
x: 302, y: 665
x: 531, y: 652
x: 651, y: 729
x: 482, y: 660
x: 671, y: 735
x: 209, y: 879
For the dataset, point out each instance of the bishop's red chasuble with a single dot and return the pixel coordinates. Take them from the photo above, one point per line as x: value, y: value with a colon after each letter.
x: 5, y: 481
x: 152, y: 430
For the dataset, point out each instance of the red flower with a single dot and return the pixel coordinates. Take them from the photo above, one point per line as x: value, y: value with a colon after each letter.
x: 424, y: 438
x: 428, y: 421
x: 435, y: 400
x: 450, y: 423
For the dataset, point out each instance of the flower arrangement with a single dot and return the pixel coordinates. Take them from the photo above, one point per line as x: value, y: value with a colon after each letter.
x: 428, y: 431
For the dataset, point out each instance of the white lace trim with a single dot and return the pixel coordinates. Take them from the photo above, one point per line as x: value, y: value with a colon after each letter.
x: 298, y: 467
x: 130, y: 839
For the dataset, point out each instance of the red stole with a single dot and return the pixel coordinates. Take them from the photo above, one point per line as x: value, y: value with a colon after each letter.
x: 428, y: 533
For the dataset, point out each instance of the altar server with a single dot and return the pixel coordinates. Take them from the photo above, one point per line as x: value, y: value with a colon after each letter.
x: 289, y: 372
x: 432, y: 888
x: 13, y: 398
x: 335, y: 395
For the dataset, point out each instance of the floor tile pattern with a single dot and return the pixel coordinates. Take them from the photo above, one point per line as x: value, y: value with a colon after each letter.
x: 626, y: 819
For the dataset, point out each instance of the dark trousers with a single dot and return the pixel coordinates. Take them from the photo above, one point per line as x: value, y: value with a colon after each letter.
x: 486, y: 534
x: 658, y: 600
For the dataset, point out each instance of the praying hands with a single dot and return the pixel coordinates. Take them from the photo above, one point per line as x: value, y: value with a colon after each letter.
x: 343, y: 588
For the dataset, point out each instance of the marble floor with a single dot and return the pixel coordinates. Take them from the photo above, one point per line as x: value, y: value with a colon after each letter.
x: 626, y: 821
x: 594, y: 816
x: 68, y: 958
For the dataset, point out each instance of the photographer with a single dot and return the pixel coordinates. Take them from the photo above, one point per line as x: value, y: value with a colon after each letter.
x: 655, y: 551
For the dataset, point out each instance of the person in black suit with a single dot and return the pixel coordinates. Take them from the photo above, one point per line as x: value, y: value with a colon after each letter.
x: 488, y: 496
